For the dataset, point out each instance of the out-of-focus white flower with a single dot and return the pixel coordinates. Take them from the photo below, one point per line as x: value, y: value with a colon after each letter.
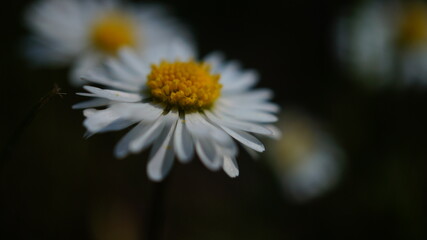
x: 180, y: 105
x: 385, y: 42
x: 82, y: 33
x: 306, y: 161
x: 114, y: 218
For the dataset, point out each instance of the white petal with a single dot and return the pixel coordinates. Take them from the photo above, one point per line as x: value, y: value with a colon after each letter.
x: 262, y: 106
x: 97, y: 120
x: 230, y: 167
x: 97, y: 102
x: 122, y: 148
x: 200, y: 128
x: 242, y: 82
x: 122, y: 73
x: 254, y: 154
x: 100, y: 79
x: 182, y: 50
x: 230, y: 72
x: 116, y: 125
x: 183, y: 142
x: 161, y: 156
x: 87, y: 62
x: 87, y: 95
x: 176, y: 49
x: 209, y: 154
x: 208, y: 140
x: 246, y: 115
x: 215, y: 59
x: 223, y: 141
x: 147, y: 136
x: 277, y: 134
x: 246, y: 139
x: 118, y: 116
x: 239, y: 125
x: 196, y: 128
x: 230, y: 148
x: 259, y: 95
x: 134, y: 62
x: 114, y: 95
x: 41, y: 52
x: 140, y: 111
x: 89, y: 112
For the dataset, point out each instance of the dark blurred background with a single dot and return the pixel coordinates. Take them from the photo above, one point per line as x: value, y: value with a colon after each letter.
x: 57, y: 185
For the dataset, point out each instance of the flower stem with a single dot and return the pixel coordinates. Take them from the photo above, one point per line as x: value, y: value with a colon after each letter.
x: 156, y: 212
x: 17, y: 133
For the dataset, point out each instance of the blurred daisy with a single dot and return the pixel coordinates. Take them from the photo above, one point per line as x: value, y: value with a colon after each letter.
x: 306, y: 161
x: 180, y: 105
x: 82, y: 33
x: 385, y: 42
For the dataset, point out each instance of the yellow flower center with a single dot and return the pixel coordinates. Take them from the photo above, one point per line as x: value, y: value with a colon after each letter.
x: 413, y: 25
x: 113, y: 31
x: 187, y: 86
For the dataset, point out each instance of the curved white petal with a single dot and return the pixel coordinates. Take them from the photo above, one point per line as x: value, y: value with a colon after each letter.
x: 199, y: 127
x: 59, y: 31
x: 97, y: 102
x: 176, y: 49
x: 88, y: 95
x: 237, y: 124
x: 140, y: 111
x: 183, y: 142
x: 229, y: 72
x: 242, y: 82
x: 147, y: 136
x: 262, y: 106
x: 211, y: 142
x: 245, y: 115
x: 161, y: 155
x: 106, y: 81
x: 276, y: 133
x: 246, y: 139
x: 89, y: 112
x: 134, y: 62
x: 215, y: 59
x: 117, y: 70
x: 122, y: 148
x: 209, y: 154
x: 249, y: 97
x: 97, y: 120
x: 113, y: 94
x: 230, y: 166
x: 254, y: 154
x: 82, y: 65
x: 137, y: 138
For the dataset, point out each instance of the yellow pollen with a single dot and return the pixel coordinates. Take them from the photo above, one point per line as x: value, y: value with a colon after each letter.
x: 113, y: 31
x: 187, y: 86
x: 413, y: 25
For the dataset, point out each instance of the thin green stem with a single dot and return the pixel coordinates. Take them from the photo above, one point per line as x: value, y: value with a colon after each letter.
x: 156, y: 212
x: 18, y: 131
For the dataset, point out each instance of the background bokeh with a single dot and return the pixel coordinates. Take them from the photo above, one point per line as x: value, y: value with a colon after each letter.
x: 57, y: 185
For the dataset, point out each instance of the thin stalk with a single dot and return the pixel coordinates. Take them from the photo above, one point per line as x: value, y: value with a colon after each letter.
x: 17, y: 133
x: 156, y: 212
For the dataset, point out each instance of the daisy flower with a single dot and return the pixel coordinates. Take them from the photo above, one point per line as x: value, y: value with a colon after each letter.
x: 181, y: 106
x: 385, y: 42
x: 307, y: 162
x: 82, y: 33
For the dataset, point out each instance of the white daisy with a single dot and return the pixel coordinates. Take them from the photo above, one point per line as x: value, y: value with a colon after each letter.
x: 306, y: 160
x: 82, y: 33
x: 180, y: 106
x: 385, y: 42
